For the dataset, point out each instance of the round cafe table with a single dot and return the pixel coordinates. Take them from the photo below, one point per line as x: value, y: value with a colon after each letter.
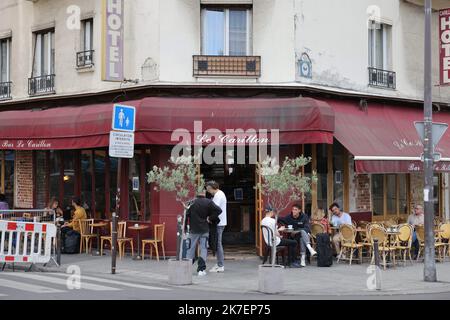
x: 98, y: 226
x: 138, y: 229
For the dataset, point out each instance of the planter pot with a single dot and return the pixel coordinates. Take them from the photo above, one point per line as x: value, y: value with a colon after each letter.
x: 180, y: 272
x: 270, y: 279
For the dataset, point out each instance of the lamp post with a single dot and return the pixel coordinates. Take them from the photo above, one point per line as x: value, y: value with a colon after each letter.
x: 429, y: 262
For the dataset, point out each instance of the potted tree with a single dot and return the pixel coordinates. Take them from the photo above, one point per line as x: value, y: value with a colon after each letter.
x: 180, y: 177
x: 281, y: 186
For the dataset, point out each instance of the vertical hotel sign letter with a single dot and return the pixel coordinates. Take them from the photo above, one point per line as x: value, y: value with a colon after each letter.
x: 444, y: 48
x: 112, y: 40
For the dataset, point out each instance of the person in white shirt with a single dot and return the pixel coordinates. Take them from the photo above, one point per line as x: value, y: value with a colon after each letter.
x: 416, y: 219
x: 269, y: 222
x: 339, y: 217
x: 220, y: 200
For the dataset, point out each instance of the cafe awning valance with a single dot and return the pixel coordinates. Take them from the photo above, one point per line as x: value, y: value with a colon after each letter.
x: 299, y: 120
x: 382, y: 138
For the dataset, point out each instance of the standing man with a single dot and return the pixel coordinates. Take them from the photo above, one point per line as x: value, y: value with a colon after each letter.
x: 339, y: 217
x: 220, y: 200
x: 202, y: 212
x: 416, y: 219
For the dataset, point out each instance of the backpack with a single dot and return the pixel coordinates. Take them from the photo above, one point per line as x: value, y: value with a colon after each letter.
x: 71, y: 242
x: 324, y: 252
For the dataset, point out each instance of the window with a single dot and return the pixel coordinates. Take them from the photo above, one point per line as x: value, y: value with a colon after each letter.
x: 44, y: 53
x: 88, y: 34
x: 7, y: 176
x: 226, y: 32
x: 85, y: 56
x: 380, y: 44
x: 5, y: 86
x: 4, y: 59
x: 389, y: 194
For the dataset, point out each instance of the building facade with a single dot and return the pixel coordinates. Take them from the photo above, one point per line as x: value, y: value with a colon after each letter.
x: 356, y: 65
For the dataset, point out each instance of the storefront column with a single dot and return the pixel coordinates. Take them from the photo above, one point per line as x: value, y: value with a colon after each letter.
x: 330, y: 176
x: 446, y: 197
x: 314, y: 185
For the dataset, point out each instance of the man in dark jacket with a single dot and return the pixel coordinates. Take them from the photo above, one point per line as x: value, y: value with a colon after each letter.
x: 300, y: 222
x: 200, y: 214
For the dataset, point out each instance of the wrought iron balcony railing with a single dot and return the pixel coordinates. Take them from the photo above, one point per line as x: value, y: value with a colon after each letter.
x: 241, y: 66
x: 41, y: 85
x: 5, y: 90
x: 382, y: 78
x: 85, y: 58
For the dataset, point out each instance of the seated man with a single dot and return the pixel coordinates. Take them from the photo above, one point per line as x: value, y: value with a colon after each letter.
x: 300, y: 222
x: 339, y: 217
x: 416, y: 219
x: 269, y: 222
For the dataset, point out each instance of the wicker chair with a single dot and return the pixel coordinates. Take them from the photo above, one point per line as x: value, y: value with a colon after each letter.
x: 438, y: 245
x: 379, y: 233
x: 444, y: 237
x: 316, y: 228
x: 348, y: 242
x: 403, y: 241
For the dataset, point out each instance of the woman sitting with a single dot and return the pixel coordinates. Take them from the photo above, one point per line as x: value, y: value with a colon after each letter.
x: 319, y: 216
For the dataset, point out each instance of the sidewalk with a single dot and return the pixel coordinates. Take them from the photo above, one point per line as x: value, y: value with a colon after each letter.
x: 241, y: 276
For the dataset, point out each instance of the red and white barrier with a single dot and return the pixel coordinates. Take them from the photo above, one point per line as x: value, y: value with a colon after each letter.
x: 28, y: 242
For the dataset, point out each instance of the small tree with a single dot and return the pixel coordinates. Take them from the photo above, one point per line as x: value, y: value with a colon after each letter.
x: 182, y: 178
x: 283, y: 185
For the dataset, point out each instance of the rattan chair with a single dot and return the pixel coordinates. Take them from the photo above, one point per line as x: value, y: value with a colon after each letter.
x: 316, y: 228
x: 379, y: 233
x: 348, y: 242
x: 438, y: 245
x: 86, y: 233
x: 158, y: 239
x: 444, y: 238
x: 403, y: 241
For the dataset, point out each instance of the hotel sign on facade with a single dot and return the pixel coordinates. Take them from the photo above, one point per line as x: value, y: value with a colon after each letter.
x: 444, y: 46
x: 112, y: 40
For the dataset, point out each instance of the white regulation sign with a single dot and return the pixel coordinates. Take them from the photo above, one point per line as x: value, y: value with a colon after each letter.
x: 121, y: 144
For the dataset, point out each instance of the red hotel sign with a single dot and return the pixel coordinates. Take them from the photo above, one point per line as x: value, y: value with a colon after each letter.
x: 444, y: 47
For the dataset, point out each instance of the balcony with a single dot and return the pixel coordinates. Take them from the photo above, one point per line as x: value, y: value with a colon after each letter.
x: 5, y: 90
x: 237, y: 66
x: 85, y: 59
x: 41, y: 85
x: 381, y: 78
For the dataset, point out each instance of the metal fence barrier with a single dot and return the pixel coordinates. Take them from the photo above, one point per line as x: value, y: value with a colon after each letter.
x: 36, y: 216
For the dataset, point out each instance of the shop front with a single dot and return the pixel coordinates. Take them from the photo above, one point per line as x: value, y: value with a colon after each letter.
x: 367, y: 160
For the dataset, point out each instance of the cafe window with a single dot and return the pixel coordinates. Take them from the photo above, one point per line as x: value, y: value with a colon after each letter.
x: 138, y: 190
x: 87, y: 160
x: 7, y: 176
x: 100, y: 194
x: 55, y: 176
x: 41, y: 179
x: 389, y: 194
x: 322, y: 170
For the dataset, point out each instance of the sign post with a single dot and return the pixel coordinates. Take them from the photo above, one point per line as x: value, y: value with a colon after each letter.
x: 429, y: 272
x: 121, y: 145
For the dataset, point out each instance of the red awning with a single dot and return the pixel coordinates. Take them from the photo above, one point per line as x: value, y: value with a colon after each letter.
x: 299, y: 120
x: 383, y: 138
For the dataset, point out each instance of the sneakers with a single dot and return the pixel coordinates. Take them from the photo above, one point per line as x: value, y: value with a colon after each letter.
x: 303, y: 261
x: 295, y: 265
x: 202, y: 273
x: 311, y: 251
x: 216, y: 268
